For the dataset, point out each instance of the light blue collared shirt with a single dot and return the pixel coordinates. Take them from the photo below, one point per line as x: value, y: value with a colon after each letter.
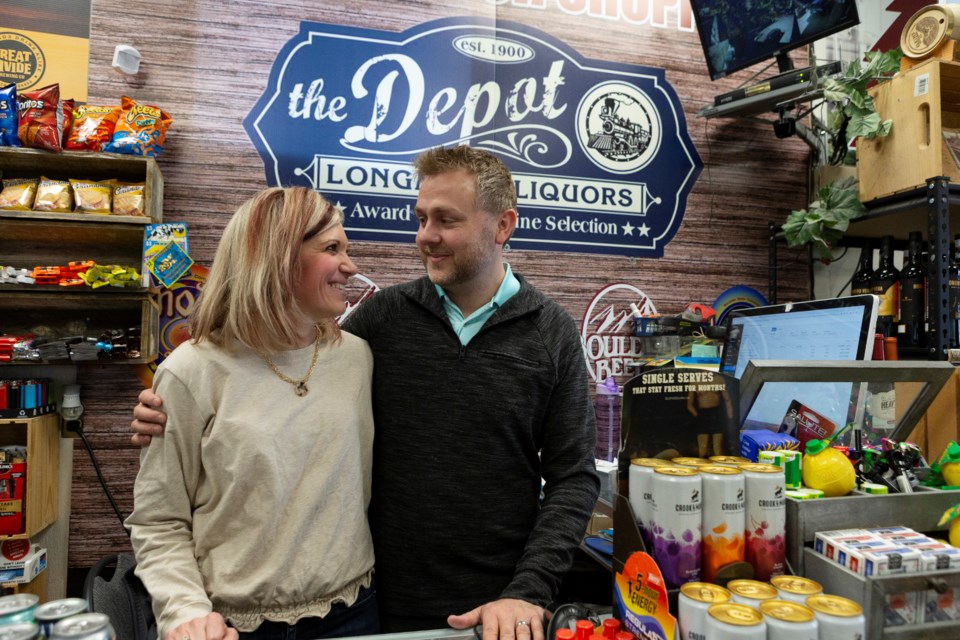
x: 466, y: 328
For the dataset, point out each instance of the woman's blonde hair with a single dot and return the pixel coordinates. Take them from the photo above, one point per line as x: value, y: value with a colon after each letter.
x: 250, y: 293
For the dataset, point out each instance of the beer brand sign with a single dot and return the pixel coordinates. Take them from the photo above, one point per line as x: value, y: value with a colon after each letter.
x: 599, y: 150
x: 610, y: 347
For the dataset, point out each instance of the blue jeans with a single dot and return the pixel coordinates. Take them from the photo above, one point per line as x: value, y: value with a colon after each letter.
x: 361, y: 619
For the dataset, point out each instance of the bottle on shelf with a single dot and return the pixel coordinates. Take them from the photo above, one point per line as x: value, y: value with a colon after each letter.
x: 954, y: 293
x: 863, y: 276
x: 911, y: 332
x: 886, y: 284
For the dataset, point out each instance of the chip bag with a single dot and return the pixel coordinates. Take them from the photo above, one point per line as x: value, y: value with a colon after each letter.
x: 140, y: 130
x: 66, y: 111
x: 53, y: 195
x: 92, y: 197
x: 128, y: 199
x: 18, y: 194
x: 41, y: 118
x: 9, y: 117
x: 92, y: 127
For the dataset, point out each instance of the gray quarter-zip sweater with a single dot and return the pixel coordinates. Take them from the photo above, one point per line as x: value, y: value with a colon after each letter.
x: 463, y: 436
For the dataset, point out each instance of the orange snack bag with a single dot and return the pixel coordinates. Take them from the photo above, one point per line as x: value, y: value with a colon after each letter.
x: 18, y: 194
x: 92, y: 127
x: 140, y: 130
x: 66, y: 107
x: 92, y: 197
x: 41, y: 118
x: 53, y: 195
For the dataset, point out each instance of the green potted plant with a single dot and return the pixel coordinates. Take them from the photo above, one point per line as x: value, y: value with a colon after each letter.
x: 850, y: 114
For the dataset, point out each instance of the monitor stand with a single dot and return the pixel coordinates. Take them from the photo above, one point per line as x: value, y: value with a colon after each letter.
x: 784, y: 62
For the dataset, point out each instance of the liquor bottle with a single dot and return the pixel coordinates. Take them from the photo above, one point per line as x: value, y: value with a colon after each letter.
x: 954, y: 293
x: 863, y: 276
x: 886, y: 284
x: 913, y: 308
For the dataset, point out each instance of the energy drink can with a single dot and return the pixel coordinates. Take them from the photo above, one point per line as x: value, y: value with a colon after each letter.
x: 796, y: 588
x: 731, y: 621
x: 751, y: 592
x: 18, y: 608
x: 49, y: 613
x: 839, y: 618
x: 789, y: 461
x: 729, y: 461
x: 23, y: 631
x: 84, y: 626
x: 640, y: 487
x: 692, y: 604
x: 766, y: 519
x: 689, y: 461
x: 789, y: 621
x: 676, y: 524
x: 723, y: 518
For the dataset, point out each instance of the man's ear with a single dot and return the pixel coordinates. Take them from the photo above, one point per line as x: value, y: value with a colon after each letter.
x: 506, y: 224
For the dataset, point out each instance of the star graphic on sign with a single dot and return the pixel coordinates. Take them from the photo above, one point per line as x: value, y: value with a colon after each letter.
x: 628, y: 229
x: 644, y: 230
x: 339, y: 205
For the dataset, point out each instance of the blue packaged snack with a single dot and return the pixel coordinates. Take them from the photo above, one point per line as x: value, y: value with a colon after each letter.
x: 9, y: 117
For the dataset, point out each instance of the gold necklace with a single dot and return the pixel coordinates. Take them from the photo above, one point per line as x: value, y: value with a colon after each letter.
x: 299, y: 386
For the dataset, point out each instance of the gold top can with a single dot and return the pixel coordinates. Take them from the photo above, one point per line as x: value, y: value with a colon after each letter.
x: 736, y: 614
x: 705, y: 592
x: 728, y: 460
x: 690, y: 461
x: 650, y: 462
x: 760, y: 467
x: 786, y: 611
x: 676, y: 471
x: 719, y: 469
x: 797, y: 584
x: 752, y: 589
x: 835, y: 606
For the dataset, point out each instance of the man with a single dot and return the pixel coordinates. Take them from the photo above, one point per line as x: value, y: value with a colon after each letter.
x: 480, y: 390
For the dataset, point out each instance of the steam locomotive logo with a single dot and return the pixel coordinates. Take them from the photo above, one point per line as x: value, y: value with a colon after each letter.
x: 618, y: 127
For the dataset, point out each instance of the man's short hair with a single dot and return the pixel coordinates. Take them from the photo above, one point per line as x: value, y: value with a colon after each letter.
x: 495, y: 187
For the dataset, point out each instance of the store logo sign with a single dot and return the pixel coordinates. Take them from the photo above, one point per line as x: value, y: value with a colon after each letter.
x: 599, y: 151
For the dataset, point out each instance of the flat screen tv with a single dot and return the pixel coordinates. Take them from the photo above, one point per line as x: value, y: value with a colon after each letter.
x: 736, y: 34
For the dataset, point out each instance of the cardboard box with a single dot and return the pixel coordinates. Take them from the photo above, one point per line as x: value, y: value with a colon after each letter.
x: 13, y: 477
x: 924, y: 104
x: 25, y: 568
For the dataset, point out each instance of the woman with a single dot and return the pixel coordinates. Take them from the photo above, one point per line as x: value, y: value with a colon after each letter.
x: 251, y: 509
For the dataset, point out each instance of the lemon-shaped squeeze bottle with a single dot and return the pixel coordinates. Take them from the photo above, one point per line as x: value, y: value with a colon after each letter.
x: 828, y: 470
x: 950, y: 465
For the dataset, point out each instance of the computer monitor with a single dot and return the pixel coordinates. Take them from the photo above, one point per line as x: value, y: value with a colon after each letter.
x: 833, y: 329
x: 735, y: 35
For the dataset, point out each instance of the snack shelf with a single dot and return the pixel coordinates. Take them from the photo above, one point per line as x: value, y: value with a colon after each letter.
x: 36, y: 238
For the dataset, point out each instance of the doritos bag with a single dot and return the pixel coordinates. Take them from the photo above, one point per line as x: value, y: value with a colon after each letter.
x: 41, y: 118
x: 9, y: 118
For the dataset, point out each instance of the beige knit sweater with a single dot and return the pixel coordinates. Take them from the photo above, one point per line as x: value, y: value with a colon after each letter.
x: 253, y: 503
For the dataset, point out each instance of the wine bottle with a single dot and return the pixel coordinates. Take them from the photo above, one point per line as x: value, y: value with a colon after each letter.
x: 954, y: 292
x: 863, y: 276
x: 913, y: 309
x: 886, y: 284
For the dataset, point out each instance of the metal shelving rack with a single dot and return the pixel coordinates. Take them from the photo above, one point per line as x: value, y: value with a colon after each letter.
x: 935, y: 207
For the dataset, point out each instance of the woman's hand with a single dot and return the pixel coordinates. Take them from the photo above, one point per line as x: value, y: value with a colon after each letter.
x: 209, y: 627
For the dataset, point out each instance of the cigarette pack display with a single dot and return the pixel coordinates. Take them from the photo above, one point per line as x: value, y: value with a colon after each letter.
x: 13, y: 478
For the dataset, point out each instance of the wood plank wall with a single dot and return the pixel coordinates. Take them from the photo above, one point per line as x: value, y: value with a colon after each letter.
x: 207, y: 62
